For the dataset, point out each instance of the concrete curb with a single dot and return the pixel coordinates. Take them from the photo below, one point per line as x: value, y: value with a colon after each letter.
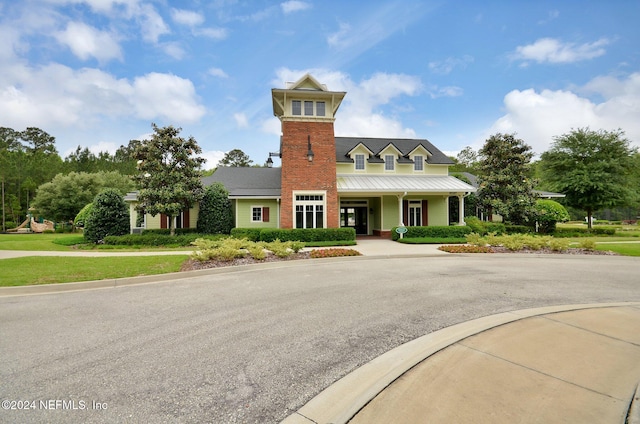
x: 158, y: 278
x: 346, y: 397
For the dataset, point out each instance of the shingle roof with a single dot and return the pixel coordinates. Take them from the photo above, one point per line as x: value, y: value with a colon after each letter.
x: 247, y: 182
x: 345, y: 144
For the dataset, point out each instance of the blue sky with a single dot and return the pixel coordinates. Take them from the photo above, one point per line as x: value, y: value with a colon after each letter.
x: 97, y: 73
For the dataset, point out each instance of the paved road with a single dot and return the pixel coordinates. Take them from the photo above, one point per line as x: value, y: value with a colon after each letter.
x: 255, y: 345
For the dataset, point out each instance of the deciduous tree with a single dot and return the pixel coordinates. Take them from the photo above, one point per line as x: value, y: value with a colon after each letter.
x: 594, y: 169
x: 215, y: 215
x: 109, y: 216
x: 235, y: 157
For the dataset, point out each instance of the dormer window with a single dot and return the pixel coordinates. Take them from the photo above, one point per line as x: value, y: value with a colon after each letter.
x: 308, y: 108
x: 359, y: 162
x: 320, y: 109
x: 389, y: 162
x: 418, y: 163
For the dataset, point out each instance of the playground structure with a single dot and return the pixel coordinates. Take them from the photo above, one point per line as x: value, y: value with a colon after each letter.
x: 30, y: 225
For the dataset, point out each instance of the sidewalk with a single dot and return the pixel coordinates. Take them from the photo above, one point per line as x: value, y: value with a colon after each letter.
x: 572, y: 364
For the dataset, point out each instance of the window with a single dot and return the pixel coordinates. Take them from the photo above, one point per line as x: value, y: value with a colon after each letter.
x: 296, y: 107
x: 259, y: 214
x: 359, y: 162
x: 389, y: 162
x: 415, y: 213
x: 308, y: 108
x: 311, y: 108
x: 256, y: 214
x: 309, y: 211
x: 418, y: 163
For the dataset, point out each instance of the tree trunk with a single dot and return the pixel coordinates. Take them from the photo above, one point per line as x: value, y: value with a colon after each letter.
x: 172, y: 225
x: 589, y: 219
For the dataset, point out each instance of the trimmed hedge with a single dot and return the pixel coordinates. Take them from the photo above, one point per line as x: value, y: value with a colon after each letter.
x: 155, y: 239
x: 295, y: 234
x: 166, y: 231
x: 518, y: 229
x: 434, y: 232
x: 483, y: 228
x: 583, y: 232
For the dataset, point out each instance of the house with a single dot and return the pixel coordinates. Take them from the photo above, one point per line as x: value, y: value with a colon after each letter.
x: 369, y: 184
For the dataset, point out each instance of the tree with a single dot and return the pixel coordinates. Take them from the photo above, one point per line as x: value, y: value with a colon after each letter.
x: 548, y: 213
x: 168, y: 174
x: 235, y: 157
x: 109, y: 216
x: 504, y: 180
x: 63, y: 197
x: 215, y: 215
x: 593, y: 169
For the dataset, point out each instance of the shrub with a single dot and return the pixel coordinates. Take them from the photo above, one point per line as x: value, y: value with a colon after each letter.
x: 475, y: 239
x: 152, y: 239
x: 436, y: 232
x: 588, y: 244
x: 333, y: 253
x: 431, y: 240
x: 215, y: 215
x: 583, y: 232
x: 559, y: 245
x: 307, y: 234
x: 109, y: 216
x: 483, y: 228
x: 548, y: 213
x: 252, y: 234
x: 517, y: 229
x: 466, y: 249
x: 81, y: 217
x: 475, y: 224
x: 166, y: 231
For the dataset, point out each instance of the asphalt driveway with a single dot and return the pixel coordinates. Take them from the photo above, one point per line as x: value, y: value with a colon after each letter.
x: 255, y: 344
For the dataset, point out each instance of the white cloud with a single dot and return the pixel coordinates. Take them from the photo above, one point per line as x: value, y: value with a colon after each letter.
x: 217, y: 72
x: 294, y: 6
x: 215, y: 33
x: 151, y: 23
x: 550, y: 50
x: 340, y: 37
x: 86, y: 42
x: 361, y: 113
x: 56, y: 95
x: 241, y: 120
x: 174, y: 49
x: 187, y: 17
x: 446, y: 66
x: 552, y: 15
x: 212, y: 158
x: 538, y: 117
x: 448, y: 91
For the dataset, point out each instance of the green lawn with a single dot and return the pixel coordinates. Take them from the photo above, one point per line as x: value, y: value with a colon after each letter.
x: 35, y: 241
x: 62, y: 269
x: 626, y: 249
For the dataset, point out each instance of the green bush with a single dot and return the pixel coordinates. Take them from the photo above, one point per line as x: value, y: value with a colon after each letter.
x: 252, y: 234
x: 109, y: 216
x: 559, y: 245
x: 517, y: 229
x: 166, y: 231
x: 548, y: 213
x: 155, y: 239
x: 583, y: 232
x: 435, y: 232
x: 588, y: 244
x: 215, y: 215
x: 484, y: 228
x: 81, y: 217
x: 295, y: 234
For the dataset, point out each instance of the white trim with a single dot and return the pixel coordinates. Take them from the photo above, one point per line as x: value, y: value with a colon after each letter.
x: 295, y: 203
x: 261, y: 207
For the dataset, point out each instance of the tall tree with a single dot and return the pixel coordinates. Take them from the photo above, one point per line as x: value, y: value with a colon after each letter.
x: 108, y: 216
x: 235, y: 157
x: 63, y: 197
x: 593, y: 169
x: 504, y: 180
x: 168, y: 173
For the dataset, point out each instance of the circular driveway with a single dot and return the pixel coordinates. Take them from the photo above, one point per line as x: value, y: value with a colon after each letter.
x: 256, y: 343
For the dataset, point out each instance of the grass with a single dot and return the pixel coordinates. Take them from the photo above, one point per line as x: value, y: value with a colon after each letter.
x: 33, y: 241
x: 626, y: 249
x: 63, y: 269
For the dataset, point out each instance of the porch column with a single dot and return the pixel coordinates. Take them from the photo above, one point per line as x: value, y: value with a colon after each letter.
x: 400, y: 197
x: 461, y: 209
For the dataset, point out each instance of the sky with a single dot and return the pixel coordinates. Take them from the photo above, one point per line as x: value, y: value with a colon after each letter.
x: 98, y: 73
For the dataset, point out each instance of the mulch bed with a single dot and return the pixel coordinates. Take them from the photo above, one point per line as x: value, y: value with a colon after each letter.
x: 547, y: 251
x: 192, y: 264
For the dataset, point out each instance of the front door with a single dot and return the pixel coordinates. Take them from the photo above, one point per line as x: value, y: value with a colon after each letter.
x: 354, y: 217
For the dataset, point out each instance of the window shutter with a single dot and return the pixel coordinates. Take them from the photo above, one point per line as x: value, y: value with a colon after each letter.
x: 425, y: 213
x: 405, y: 212
x: 163, y: 220
x: 185, y: 218
x: 265, y: 214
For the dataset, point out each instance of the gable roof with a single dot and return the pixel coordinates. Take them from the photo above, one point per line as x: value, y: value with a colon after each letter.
x: 246, y: 181
x: 345, y: 144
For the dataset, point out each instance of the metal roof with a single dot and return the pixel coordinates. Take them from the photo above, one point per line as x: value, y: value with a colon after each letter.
x: 402, y: 183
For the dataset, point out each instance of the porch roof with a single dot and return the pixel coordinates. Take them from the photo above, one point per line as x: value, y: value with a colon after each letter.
x: 402, y: 183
